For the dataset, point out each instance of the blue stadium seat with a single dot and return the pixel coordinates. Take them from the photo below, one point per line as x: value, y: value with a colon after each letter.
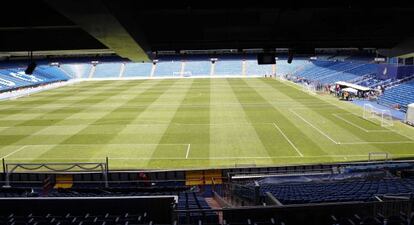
x: 107, y: 70
x: 402, y: 94
x: 137, y: 69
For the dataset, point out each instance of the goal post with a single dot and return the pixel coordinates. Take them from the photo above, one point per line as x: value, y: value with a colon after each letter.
x: 368, y: 111
x: 384, y: 116
x: 379, y: 156
x: 182, y: 74
x: 309, y: 88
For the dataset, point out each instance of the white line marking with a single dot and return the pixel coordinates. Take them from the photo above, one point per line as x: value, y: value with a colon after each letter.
x: 15, y: 151
x: 216, y: 158
x: 327, y: 136
x: 376, y: 142
x: 357, y: 126
x: 188, y: 151
x: 287, y: 139
x: 341, y: 106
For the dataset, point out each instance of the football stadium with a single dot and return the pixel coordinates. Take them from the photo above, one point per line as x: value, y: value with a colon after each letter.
x: 133, y: 113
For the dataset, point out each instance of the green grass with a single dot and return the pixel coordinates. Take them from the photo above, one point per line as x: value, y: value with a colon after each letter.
x: 191, y: 123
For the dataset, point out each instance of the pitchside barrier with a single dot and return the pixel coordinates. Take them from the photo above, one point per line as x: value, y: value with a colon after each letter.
x: 55, y: 168
x: 98, y: 173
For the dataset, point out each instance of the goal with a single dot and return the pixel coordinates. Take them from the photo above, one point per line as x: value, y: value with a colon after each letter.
x: 182, y: 74
x: 309, y: 88
x: 382, y: 115
x: 379, y: 156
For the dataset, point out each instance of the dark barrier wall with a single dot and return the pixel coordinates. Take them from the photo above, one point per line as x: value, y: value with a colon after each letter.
x: 159, y: 208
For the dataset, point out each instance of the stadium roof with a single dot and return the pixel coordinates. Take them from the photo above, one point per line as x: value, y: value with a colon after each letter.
x: 136, y: 29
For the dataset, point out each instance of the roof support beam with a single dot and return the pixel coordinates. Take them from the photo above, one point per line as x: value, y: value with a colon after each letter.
x: 95, y: 18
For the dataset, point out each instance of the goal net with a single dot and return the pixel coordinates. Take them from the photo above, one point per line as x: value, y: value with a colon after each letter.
x: 309, y: 88
x: 182, y: 74
x: 379, y: 156
x: 382, y: 115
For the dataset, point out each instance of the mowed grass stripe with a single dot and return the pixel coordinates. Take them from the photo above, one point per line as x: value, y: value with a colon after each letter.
x: 239, y: 139
x: 42, y: 98
x: 273, y: 115
x: 90, y: 142
x: 103, y: 133
x: 198, y: 137
x: 293, y: 128
x: 364, y: 136
x: 154, y: 134
x: 40, y: 122
x: 38, y: 107
x: 309, y: 144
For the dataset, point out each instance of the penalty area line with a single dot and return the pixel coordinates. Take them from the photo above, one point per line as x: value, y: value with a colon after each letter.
x: 314, y: 127
x: 288, y: 140
x: 188, y: 151
x: 15, y: 151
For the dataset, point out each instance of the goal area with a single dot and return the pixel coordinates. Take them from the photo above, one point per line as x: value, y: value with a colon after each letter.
x: 384, y: 116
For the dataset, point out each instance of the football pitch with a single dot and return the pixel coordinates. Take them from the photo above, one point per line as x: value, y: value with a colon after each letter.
x: 192, y: 123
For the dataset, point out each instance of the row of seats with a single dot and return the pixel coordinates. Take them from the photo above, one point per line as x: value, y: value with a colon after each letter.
x: 76, y: 219
x: 186, y: 199
x: 337, y: 191
x: 11, y: 79
x: 190, y: 200
x: 328, y: 72
x: 166, y: 68
x: 332, y: 220
x: 402, y: 95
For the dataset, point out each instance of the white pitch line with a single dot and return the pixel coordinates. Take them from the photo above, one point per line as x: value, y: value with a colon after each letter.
x: 219, y: 158
x: 327, y: 136
x: 15, y: 151
x: 188, y: 151
x: 357, y: 126
x: 287, y: 139
x: 377, y: 142
x: 349, y: 122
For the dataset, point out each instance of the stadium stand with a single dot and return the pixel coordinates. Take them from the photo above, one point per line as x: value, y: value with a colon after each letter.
x: 228, y: 67
x: 328, y: 72
x: 12, y: 79
x: 198, y: 68
x: 355, y: 193
x: 401, y: 95
x: 77, y: 70
x: 137, y: 70
x: 85, y: 211
x: 168, y: 68
x: 105, y: 70
x: 252, y: 68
